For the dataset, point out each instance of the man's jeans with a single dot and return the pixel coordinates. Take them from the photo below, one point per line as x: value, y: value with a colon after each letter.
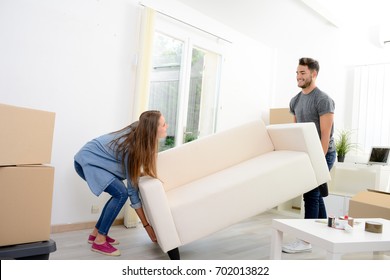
x: 314, y: 203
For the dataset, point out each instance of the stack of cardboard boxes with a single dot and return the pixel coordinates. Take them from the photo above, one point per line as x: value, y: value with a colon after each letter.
x: 26, y: 177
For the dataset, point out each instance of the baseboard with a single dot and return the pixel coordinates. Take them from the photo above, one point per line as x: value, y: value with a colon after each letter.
x: 79, y: 226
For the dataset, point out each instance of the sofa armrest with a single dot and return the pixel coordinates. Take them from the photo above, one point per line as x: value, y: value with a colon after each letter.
x: 158, y: 212
x: 301, y: 137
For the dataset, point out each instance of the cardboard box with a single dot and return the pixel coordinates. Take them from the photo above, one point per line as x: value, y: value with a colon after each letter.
x: 26, y: 135
x: 280, y: 115
x: 25, y: 203
x: 370, y: 204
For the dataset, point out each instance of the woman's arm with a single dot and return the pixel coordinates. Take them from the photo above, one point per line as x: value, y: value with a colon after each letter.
x: 145, y: 223
x: 136, y: 204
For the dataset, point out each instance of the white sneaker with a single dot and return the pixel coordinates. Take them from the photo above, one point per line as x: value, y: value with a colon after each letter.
x: 298, y: 246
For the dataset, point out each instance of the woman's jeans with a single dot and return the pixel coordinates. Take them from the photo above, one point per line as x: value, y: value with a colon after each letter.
x: 118, y: 192
x: 314, y: 203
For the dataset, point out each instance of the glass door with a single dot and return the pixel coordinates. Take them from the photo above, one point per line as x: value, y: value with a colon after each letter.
x: 184, y: 87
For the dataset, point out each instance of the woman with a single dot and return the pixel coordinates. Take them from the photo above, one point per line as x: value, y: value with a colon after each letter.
x: 105, y: 162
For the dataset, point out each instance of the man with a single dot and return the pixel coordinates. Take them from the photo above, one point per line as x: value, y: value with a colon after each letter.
x: 313, y: 105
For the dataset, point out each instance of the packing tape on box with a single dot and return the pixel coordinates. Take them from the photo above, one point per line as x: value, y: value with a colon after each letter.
x: 373, y: 227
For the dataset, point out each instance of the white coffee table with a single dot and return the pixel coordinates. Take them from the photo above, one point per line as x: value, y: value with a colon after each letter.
x: 335, y: 241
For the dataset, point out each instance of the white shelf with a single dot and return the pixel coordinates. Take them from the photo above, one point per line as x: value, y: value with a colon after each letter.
x: 351, y: 178
x: 292, y: 207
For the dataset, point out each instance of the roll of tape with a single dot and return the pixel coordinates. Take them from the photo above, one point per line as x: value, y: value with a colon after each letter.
x: 373, y: 227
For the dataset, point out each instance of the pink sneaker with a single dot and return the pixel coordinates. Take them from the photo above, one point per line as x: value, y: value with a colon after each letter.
x: 92, y: 238
x: 105, y: 249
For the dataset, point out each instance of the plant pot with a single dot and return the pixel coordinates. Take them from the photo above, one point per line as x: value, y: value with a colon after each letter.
x: 340, y: 158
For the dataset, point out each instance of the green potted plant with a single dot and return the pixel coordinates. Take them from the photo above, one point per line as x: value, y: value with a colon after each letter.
x: 343, y: 144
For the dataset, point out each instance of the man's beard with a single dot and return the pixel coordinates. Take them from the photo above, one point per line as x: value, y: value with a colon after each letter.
x: 306, y: 84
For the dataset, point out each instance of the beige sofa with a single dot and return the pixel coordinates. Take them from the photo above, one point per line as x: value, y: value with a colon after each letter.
x: 216, y: 181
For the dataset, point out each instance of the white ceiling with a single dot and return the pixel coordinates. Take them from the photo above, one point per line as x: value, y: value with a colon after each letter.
x: 265, y: 20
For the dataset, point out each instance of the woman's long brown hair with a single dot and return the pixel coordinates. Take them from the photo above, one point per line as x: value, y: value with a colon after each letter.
x: 139, y: 146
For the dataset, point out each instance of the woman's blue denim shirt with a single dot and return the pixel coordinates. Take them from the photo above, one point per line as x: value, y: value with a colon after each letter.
x: 101, y: 166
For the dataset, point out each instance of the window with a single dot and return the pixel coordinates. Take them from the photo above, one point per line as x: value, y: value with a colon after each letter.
x: 371, y: 109
x: 184, y: 80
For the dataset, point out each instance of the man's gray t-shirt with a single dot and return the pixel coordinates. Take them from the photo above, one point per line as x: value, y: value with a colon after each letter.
x: 309, y: 107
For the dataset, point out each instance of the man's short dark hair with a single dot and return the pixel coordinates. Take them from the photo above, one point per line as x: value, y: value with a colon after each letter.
x: 312, y: 64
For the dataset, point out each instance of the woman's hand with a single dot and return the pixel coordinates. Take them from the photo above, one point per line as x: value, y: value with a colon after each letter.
x: 151, y: 233
x: 144, y: 221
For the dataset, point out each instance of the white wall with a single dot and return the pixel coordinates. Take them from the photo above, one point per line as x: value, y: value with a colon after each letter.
x: 246, y: 83
x: 75, y: 58
x: 337, y: 49
x: 312, y: 36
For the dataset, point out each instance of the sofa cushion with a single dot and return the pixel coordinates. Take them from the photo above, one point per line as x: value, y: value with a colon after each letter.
x: 212, y: 153
x: 214, y: 202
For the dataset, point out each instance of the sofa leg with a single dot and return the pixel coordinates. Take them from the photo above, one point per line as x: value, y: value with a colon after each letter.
x: 174, y: 254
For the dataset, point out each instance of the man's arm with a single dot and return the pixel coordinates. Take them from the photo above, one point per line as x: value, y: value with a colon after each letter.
x: 326, y: 122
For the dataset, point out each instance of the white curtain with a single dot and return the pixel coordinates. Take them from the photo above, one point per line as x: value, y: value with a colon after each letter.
x: 371, y: 106
x: 144, y: 64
